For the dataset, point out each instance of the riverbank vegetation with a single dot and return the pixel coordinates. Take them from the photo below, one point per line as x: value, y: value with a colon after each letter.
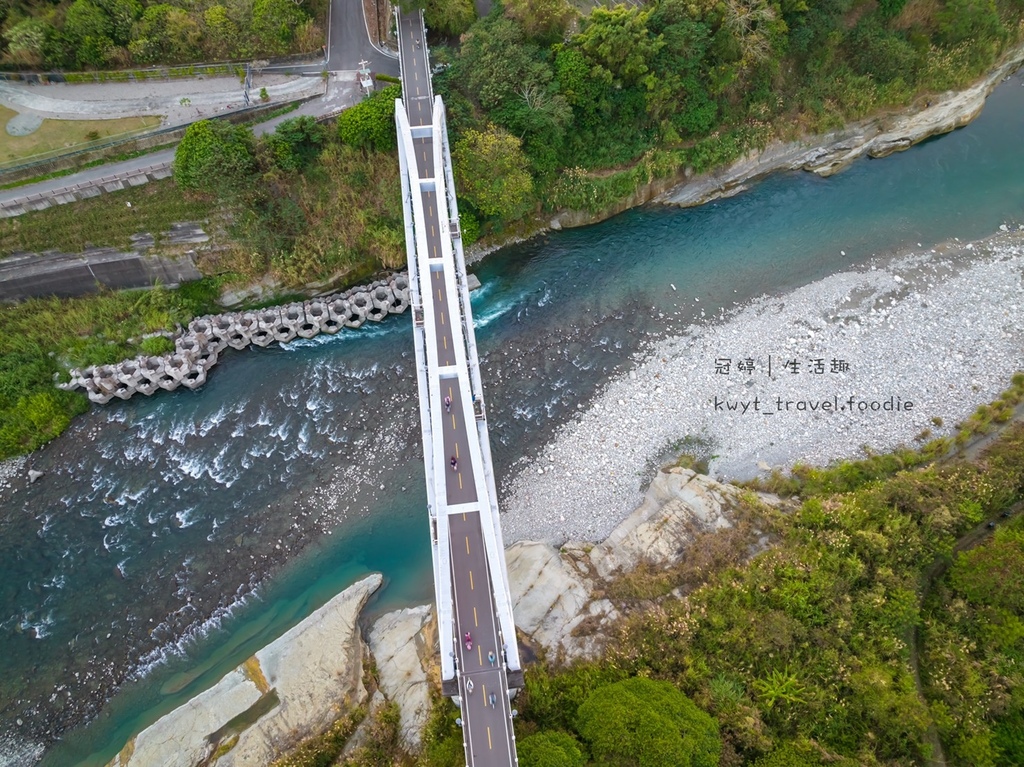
x: 298, y: 204
x: 42, y: 337
x: 116, y: 34
x: 594, y: 106
x: 881, y: 623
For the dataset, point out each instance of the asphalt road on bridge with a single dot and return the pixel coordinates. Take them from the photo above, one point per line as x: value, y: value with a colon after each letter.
x: 487, y: 727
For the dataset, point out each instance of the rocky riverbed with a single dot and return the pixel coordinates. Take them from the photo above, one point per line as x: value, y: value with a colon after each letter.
x: 868, y: 357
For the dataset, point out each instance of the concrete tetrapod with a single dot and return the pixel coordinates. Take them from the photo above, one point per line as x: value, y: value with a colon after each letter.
x: 198, y: 349
x: 380, y: 299
x: 358, y: 307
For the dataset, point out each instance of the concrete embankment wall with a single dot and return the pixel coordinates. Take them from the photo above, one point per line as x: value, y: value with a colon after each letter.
x: 198, y: 349
x: 31, y: 275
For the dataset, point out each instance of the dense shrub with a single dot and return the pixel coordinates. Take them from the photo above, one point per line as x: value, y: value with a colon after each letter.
x: 370, y: 124
x: 110, y: 34
x: 214, y: 155
x: 550, y: 749
x: 647, y: 723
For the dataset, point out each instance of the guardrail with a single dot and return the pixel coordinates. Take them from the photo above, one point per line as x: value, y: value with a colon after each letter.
x: 212, y: 69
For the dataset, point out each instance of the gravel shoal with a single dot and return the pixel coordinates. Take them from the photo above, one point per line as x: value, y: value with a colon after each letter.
x: 939, y: 329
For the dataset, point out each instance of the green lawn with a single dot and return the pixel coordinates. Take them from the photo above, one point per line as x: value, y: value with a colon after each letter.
x: 55, y: 135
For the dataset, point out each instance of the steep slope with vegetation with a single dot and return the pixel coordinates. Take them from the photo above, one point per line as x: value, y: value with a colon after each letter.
x: 644, y: 90
x: 806, y: 655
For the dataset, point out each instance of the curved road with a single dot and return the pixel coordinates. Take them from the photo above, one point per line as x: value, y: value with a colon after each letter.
x: 348, y: 44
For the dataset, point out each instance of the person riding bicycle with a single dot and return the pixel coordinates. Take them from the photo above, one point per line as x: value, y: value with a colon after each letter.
x: 447, y: 403
x: 455, y: 463
x: 490, y: 657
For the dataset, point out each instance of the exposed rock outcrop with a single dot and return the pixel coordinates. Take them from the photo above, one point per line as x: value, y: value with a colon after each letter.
x: 404, y: 645
x: 557, y: 594
x: 825, y: 155
x: 289, y: 690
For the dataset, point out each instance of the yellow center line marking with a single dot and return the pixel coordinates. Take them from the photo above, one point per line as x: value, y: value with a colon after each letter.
x: 442, y: 318
x: 417, y: 91
x: 467, y: 544
x: 480, y: 658
x: 430, y: 208
x: 435, y: 251
x: 416, y: 75
x: 439, y: 294
x: 456, y: 444
x: 432, y: 233
x: 460, y: 480
x: 489, y: 744
x: 445, y: 341
x: 476, y: 624
x: 471, y: 580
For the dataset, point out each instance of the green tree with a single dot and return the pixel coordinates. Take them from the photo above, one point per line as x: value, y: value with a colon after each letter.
x: 647, y: 723
x: 88, y: 30
x: 25, y: 40
x: 550, y: 749
x: 618, y: 42
x: 962, y: 20
x: 214, y: 156
x: 165, y: 33
x: 449, y: 17
x: 496, y: 60
x: 221, y: 31
x: 123, y: 14
x: 544, y: 20
x: 370, y: 124
x: 273, y: 24
x: 491, y: 173
x: 296, y: 142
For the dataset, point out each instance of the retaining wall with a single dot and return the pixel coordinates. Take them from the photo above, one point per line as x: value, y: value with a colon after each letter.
x: 29, y: 275
x: 75, y: 192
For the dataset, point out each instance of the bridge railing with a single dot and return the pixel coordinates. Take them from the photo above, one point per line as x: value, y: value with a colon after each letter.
x: 491, y: 521
x: 439, y: 549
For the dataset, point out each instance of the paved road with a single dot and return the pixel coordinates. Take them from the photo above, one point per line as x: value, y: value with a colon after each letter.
x: 487, y: 726
x: 349, y: 43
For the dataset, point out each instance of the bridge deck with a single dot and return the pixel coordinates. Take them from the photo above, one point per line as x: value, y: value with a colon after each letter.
x: 487, y: 728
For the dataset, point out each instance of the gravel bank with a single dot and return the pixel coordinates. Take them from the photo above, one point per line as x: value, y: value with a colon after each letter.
x: 939, y: 329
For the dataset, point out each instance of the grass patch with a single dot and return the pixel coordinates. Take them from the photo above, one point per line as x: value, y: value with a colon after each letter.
x: 41, y: 338
x: 59, y: 135
x: 105, y: 220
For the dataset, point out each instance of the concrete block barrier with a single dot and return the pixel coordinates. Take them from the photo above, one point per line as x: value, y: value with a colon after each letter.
x: 198, y: 349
